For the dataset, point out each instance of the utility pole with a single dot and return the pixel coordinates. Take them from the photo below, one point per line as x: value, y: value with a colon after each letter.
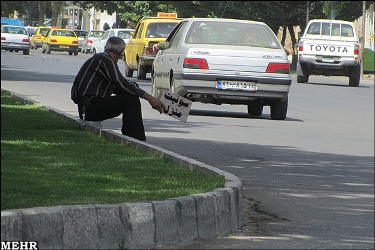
x: 307, y: 12
x: 362, y: 39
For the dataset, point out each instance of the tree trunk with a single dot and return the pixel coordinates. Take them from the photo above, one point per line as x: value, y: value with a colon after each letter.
x: 42, y: 12
x: 54, y: 8
x: 293, y: 66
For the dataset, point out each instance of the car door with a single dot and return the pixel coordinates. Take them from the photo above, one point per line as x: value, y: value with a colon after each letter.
x: 172, y: 56
x: 132, y: 47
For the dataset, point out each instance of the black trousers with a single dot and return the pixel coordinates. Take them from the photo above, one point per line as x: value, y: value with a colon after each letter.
x: 109, y: 107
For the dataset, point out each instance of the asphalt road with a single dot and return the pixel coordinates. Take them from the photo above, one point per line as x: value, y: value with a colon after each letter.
x: 308, y: 180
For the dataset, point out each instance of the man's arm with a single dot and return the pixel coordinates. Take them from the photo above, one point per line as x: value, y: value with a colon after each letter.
x: 155, y: 103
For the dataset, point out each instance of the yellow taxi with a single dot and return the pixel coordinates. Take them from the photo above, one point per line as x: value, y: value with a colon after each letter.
x: 139, y: 53
x: 60, y: 40
x: 37, y: 38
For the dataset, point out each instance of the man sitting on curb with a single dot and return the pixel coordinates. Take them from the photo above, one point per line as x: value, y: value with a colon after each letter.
x: 101, y: 91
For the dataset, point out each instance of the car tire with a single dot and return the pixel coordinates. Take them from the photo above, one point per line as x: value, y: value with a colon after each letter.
x: 141, y: 72
x: 354, y: 75
x: 76, y: 52
x: 10, y: 50
x: 94, y: 51
x: 70, y: 53
x: 128, y: 72
x: 279, y: 110
x: 48, y: 49
x: 254, y: 109
x: 302, y: 79
x: 26, y: 52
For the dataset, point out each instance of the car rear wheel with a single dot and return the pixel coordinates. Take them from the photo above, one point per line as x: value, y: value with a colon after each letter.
x: 70, y: 53
x: 26, y: 52
x: 76, y: 52
x: 254, y: 109
x: 141, y: 72
x: 48, y: 49
x: 302, y: 79
x: 279, y: 110
x: 128, y: 72
x: 354, y: 75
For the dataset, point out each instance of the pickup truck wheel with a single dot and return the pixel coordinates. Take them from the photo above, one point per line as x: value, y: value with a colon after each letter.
x: 141, y: 72
x: 254, y: 109
x: 128, y: 72
x: 302, y: 79
x: 279, y: 110
x: 26, y: 52
x: 354, y: 75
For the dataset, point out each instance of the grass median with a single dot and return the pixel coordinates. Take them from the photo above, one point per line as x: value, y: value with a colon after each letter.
x: 47, y: 160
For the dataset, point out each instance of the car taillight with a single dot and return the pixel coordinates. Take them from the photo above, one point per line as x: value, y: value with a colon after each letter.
x: 195, y: 63
x: 25, y: 40
x: 75, y: 42
x: 283, y: 68
x: 3, y: 38
x: 89, y: 41
x: 300, y: 46
x: 53, y: 41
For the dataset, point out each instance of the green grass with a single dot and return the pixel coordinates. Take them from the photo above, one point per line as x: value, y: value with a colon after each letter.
x: 47, y: 160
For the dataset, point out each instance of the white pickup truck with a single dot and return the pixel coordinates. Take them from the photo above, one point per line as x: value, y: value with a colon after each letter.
x: 330, y: 48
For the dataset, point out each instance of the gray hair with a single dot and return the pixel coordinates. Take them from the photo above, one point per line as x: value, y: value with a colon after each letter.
x: 115, y: 44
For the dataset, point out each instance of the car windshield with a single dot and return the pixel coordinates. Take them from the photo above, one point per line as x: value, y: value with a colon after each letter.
x: 80, y: 33
x: 96, y: 33
x: 124, y: 34
x: 160, y: 29
x: 231, y: 33
x: 14, y: 30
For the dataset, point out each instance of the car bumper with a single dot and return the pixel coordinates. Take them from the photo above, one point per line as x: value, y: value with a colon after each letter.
x: 334, y: 63
x: 63, y: 47
x: 14, y: 46
x: 147, y: 60
x: 198, y: 86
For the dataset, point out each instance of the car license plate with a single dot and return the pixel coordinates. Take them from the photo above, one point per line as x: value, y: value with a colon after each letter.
x: 236, y: 85
x: 64, y: 47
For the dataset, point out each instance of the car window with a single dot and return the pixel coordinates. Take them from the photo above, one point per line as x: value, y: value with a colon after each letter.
x: 124, y: 34
x: 231, y: 33
x: 96, y: 33
x: 176, y: 36
x: 43, y: 31
x: 106, y: 34
x: 14, y: 30
x: 140, y: 30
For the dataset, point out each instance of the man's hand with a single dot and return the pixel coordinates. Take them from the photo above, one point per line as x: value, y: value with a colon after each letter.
x: 155, y: 103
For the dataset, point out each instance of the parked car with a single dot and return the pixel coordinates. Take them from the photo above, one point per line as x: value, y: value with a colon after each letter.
x: 92, y: 37
x: 224, y: 61
x: 138, y: 53
x: 15, y: 38
x: 81, y: 37
x: 98, y: 46
x: 36, y: 40
x: 60, y: 40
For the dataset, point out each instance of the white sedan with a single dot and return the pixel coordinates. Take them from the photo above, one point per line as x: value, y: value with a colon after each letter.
x: 98, y: 46
x: 224, y: 61
x: 15, y: 38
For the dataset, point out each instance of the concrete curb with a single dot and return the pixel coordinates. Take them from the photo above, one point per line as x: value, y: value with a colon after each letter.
x: 130, y: 225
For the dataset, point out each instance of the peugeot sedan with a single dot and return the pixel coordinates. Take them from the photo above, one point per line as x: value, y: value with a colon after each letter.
x: 15, y: 38
x: 224, y: 61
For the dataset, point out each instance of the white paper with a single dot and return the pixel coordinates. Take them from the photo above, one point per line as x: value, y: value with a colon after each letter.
x: 178, y: 107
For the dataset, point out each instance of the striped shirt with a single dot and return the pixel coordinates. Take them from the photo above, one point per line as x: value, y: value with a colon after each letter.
x: 100, y: 76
